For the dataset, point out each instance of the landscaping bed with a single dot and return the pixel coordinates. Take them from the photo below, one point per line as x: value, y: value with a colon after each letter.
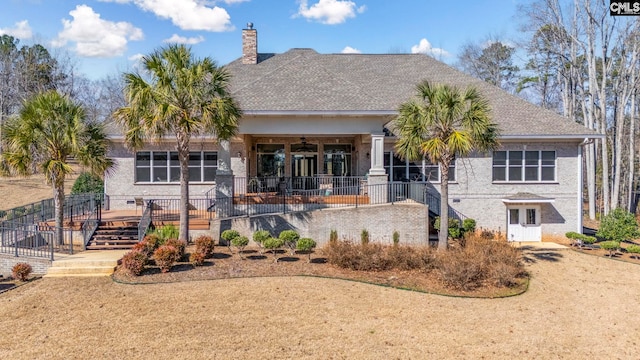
x: 228, y: 263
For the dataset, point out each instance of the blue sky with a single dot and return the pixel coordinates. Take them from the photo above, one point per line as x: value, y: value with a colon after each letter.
x: 108, y: 36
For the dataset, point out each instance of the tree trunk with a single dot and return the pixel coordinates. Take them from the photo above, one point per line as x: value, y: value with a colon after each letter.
x: 58, y: 200
x: 632, y: 154
x: 183, y: 158
x: 443, y: 234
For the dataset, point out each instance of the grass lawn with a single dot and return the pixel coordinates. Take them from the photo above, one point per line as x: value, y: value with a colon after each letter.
x: 577, y: 307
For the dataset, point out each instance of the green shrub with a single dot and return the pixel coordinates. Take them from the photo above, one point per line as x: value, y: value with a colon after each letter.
x: 180, y: 245
x: 229, y: 235
x: 273, y: 244
x: 618, y: 225
x: 165, y: 256
x: 580, y: 239
x: 634, y: 250
x: 306, y: 244
x: 611, y: 246
x: 260, y: 236
x: 468, y: 226
x: 333, y: 235
x: 87, y: 183
x: 134, y: 261
x: 455, y: 232
x: 166, y: 232
x: 205, y: 245
x: 290, y: 238
x: 240, y: 242
x: 364, y: 237
x: 21, y: 271
x: 197, y: 258
x: 396, y: 238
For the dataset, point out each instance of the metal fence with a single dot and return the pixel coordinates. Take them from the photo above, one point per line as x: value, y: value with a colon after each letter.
x: 252, y: 204
x: 169, y: 209
x: 296, y: 185
x: 75, y: 208
x: 35, y: 240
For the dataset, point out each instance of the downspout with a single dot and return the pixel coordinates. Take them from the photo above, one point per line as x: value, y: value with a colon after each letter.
x: 586, y: 141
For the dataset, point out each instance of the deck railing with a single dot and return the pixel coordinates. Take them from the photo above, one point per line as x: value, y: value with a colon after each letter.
x: 251, y: 204
x: 169, y: 209
x: 293, y: 185
x: 145, y: 220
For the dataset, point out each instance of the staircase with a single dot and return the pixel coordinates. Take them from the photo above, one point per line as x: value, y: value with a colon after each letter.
x: 114, y: 235
x: 85, y: 263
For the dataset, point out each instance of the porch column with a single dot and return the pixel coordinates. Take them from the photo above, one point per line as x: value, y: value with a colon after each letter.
x: 224, y: 181
x: 377, y: 155
x: 377, y: 177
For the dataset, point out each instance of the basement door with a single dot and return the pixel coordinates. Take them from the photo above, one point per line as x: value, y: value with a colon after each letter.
x: 523, y: 223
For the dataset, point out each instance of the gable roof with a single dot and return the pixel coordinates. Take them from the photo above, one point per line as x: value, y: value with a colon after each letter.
x: 304, y: 81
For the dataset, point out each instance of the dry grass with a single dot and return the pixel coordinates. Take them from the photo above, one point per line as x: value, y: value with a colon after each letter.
x: 314, y: 318
x: 17, y: 191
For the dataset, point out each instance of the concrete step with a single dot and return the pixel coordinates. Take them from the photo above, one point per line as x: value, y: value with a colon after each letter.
x: 80, y: 271
x: 86, y: 263
x: 110, y: 247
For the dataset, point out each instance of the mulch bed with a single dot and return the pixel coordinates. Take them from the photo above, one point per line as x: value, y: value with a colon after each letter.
x: 226, y: 264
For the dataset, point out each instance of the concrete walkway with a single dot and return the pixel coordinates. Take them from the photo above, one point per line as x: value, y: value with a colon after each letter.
x: 86, y: 263
x: 538, y: 245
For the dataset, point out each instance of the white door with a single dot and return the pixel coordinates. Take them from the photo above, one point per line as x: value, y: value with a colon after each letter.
x: 523, y: 223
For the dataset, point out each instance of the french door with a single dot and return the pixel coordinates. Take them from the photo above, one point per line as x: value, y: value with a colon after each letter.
x: 523, y: 223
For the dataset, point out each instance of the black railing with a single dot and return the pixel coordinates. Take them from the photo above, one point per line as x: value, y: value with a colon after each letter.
x: 90, y: 225
x: 75, y: 207
x: 169, y: 209
x: 35, y: 240
x: 297, y: 184
x: 145, y: 220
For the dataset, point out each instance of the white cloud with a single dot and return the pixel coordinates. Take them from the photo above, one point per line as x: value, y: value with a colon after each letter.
x: 187, y: 14
x: 21, y: 30
x: 350, y: 50
x: 95, y: 37
x: 424, y: 47
x: 233, y: 1
x: 177, y: 39
x: 330, y: 12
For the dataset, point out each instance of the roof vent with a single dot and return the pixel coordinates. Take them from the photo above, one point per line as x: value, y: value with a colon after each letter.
x: 249, y: 25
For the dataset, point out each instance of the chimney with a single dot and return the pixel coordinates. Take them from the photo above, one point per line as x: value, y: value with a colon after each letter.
x: 249, y: 45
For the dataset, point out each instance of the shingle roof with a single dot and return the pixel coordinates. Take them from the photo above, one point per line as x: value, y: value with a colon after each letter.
x: 303, y: 80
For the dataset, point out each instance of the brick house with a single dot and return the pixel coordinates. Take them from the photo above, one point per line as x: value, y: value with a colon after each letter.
x: 310, y: 116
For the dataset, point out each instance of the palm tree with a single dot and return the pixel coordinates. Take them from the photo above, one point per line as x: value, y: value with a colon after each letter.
x: 183, y: 97
x: 49, y: 130
x: 442, y: 123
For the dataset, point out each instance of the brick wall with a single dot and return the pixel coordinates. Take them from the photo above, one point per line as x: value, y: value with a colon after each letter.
x: 410, y: 220
x: 39, y: 265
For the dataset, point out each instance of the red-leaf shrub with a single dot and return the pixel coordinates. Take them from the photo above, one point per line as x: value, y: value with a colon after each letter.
x: 165, y: 256
x: 21, y: 271
x: 180, y: 245
x: 197, y: 258
x: 204, y: 245
x: 134, y: 262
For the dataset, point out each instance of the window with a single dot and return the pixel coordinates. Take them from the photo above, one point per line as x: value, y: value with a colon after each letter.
x: 270, y: 160
x: 424, y: 170
x: 337, y: 160
x: 531, y: 216
x: 164, y: 166
x: 524, y: 166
